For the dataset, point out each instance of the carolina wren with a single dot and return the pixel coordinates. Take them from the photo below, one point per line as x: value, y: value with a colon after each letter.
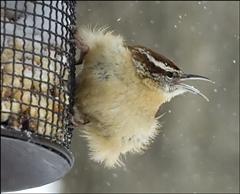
x: 119, y: 90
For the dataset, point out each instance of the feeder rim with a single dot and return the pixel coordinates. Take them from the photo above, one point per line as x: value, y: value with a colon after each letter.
x: 40, y: 141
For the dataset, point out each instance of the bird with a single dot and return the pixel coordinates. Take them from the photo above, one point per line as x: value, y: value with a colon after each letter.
x: 119, y: 89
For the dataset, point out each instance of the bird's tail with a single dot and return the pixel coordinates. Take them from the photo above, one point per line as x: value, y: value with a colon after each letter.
x: 103, y: 149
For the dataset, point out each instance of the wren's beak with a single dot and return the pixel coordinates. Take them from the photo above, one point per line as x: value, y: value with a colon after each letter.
x: 187, y: 77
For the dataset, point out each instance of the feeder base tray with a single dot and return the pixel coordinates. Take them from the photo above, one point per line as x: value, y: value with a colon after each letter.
x: 31, y: 163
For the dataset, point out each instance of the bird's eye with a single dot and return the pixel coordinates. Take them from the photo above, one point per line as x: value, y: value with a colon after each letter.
x: 169, y: 74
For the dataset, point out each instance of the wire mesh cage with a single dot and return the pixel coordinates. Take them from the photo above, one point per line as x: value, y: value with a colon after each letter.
x: 37, y: 85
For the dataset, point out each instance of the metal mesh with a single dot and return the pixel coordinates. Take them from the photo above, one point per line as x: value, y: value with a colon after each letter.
x: 37, y: 68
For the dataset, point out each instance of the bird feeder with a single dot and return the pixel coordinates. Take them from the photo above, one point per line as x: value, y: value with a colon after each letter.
x: 37, y: 85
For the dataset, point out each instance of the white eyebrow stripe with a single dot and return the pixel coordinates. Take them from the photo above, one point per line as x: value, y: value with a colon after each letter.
x: 157, y: 63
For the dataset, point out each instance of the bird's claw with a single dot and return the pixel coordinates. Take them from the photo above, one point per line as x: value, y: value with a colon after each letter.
x: 79, y: 118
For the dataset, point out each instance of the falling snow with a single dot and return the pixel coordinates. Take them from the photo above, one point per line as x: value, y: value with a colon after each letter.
x: 152, y: 21
x: 236, y: 36
x: 115, y: 175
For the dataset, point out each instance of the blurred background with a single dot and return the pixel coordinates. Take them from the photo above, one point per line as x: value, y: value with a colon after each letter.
x: 198, y: 149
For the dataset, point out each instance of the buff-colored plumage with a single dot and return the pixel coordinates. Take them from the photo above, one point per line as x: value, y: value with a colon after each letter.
x: 119, y: 106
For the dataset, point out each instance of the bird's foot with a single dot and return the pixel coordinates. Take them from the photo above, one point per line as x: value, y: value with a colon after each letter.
x: 79, y: 118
